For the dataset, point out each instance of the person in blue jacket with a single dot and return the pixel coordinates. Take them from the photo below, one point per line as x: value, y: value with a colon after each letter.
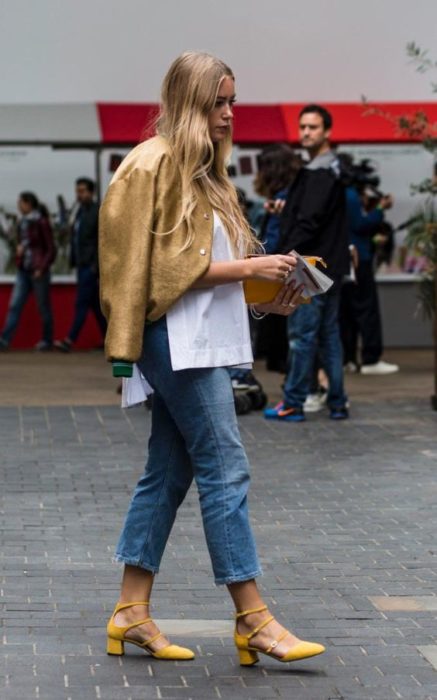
x: 361, y: 314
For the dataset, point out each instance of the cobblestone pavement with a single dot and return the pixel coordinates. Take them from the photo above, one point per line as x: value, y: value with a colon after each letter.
x: 345, y: 518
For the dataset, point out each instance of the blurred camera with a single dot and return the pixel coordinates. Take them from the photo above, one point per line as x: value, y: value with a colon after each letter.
x: 361, y: 175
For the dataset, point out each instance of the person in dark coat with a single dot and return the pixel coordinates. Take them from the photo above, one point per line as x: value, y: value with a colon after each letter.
x: 314, y: 223
x: 34, y: 255
x: 84, y: 258
x: 278, y: 165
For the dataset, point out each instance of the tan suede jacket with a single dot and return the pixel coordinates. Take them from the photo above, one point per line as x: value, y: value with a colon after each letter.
x: 142, y: 268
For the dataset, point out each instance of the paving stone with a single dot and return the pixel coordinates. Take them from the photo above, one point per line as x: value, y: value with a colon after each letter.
x: 391, y: 603
x: 429, y: 652
x: 338, y: 512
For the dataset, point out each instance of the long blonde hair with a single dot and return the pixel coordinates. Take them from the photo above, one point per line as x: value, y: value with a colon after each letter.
x: 189, y: 93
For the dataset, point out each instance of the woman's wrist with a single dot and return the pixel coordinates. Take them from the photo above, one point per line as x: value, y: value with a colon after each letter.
x: 247, y: 271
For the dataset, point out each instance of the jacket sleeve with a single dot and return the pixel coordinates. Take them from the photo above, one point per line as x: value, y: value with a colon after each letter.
x: 313, y: 206
x: 46, y: 233
x: 125, y: 234
x: 361, y: 224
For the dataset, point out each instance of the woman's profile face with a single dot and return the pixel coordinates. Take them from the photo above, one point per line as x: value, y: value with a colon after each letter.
x: 24, y: 207
x: 220, y: 119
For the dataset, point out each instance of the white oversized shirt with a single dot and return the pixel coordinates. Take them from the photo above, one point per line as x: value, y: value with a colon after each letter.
x: 206, y: 327
x: 210, y: 327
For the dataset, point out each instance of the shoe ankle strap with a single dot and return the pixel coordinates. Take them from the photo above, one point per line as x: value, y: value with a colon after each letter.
x: 259, y: 627
x: 250, y: 612
x: 123, y: 606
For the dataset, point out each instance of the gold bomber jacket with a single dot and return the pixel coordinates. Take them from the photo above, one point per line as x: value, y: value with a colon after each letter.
x: 143, y: 270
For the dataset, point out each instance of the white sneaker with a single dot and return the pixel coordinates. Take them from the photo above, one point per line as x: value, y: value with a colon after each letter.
x: 351, y: 367
x: 315, y: 402
x: 380, y: 367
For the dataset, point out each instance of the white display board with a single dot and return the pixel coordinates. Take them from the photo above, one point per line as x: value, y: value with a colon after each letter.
x: 398, y: 166
x: 43, y: 170
x: 51, y: 172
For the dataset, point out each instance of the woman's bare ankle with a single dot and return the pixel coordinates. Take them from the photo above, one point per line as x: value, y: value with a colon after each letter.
x: 128, y: 615
x: 247, y: 624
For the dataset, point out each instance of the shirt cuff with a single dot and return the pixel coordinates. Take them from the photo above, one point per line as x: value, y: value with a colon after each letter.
x: 122, y: 369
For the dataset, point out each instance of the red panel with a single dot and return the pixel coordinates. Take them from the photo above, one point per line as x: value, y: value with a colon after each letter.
x: 126, y: 123
x: 352, y: 124
x: 29, y: 330
x: 131, y: 123
x: 259, y: 124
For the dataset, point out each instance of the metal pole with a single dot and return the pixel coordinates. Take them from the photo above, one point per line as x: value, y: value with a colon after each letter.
x: 434, y: 396
x: 97, y: 174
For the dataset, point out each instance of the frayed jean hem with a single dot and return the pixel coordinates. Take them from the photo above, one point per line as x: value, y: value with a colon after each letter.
x: 120, y: 559
x: 226, y: 580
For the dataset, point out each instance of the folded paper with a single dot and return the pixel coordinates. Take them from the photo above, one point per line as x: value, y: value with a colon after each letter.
x: 305, y: 273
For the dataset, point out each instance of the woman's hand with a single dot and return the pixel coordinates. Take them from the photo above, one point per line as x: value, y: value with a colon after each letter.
x: 285, y: 303
x: 276, y: 268
x: 274, y: 206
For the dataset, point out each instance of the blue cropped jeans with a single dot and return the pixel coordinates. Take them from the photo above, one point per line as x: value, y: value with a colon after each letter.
x: 194, y: 435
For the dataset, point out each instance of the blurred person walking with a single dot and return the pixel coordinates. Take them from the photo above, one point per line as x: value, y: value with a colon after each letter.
x: 314, y: 223
x: 84, y: 257
x: 173, y: 247
x: 35, y: 253
x: 278, y: 165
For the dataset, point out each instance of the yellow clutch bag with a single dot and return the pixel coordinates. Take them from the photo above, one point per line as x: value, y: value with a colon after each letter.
x: 260, y: 291
x: 264, y: 291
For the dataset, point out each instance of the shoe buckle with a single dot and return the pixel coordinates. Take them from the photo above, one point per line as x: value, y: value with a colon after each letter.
x: 273, y: 644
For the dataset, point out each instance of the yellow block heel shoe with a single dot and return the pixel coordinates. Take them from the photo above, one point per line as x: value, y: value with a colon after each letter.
x: 248, y: 654
x: 117, y: 639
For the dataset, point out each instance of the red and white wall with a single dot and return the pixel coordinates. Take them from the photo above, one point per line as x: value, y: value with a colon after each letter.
x: 87, y: 73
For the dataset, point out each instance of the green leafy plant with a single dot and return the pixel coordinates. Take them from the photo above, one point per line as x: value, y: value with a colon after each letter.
x: 422, y: 236
x: 422, y: 233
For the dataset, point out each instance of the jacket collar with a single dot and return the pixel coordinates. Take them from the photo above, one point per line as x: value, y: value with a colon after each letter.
x: 325, y: 160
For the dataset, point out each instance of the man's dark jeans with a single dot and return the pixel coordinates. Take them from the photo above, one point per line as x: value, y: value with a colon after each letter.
x: 315, y: 327
x: 87, y: 299
x: 25, y: 283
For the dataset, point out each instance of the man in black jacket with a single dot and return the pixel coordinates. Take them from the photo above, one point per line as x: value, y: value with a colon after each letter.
x: 84, y: 247
x: 314, y: 223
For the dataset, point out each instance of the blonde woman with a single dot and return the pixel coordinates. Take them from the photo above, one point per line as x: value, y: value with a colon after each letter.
x: 174, y: 250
